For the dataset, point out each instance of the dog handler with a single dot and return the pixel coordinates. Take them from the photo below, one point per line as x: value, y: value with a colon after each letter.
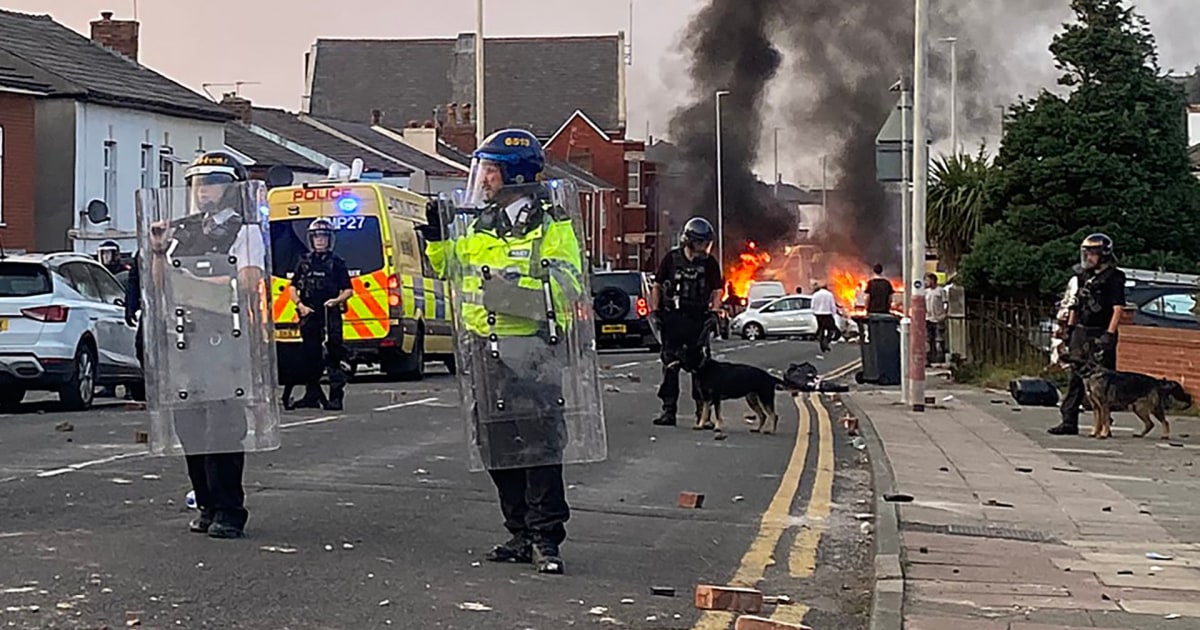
x: 1093, y: 321
x: 686, y: 294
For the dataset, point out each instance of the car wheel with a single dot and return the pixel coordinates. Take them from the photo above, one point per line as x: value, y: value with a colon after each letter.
x: 79, y: 392
x: 11, y: 397
x: 410, y: 366
x: 752, y: 332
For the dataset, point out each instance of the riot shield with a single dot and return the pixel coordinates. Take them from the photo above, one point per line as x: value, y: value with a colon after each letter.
x: 210, y: 366
x: 525, y: 332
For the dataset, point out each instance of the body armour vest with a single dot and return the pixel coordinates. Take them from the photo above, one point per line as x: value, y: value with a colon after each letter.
x: 687, y: 288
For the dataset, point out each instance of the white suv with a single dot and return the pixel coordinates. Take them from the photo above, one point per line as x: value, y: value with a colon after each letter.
x: 62, y: 329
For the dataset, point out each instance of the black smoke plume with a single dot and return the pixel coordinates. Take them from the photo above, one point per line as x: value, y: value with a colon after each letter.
x: 731, y: 50
x: 844, y: 58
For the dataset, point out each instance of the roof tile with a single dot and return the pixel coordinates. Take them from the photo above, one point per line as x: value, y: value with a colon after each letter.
x: 266, y: 152
x: 290, y: 126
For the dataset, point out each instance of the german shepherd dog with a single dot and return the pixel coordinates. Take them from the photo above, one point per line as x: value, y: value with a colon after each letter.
x: 720, y: 380
x: 1108, y: 391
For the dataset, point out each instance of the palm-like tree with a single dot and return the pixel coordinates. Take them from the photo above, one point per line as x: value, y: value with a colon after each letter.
x: 957, y: 203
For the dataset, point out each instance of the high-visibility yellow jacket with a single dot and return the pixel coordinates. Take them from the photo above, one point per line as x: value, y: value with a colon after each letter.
x: 551, y: 238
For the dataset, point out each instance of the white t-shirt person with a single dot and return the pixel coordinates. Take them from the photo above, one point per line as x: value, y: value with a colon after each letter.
x: 823, y: 302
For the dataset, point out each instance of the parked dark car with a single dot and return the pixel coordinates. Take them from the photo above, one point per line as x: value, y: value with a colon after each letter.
x: 621, y: 303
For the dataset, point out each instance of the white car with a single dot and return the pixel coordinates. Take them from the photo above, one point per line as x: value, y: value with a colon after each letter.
x: 788, y: 315
x: 62, y: 329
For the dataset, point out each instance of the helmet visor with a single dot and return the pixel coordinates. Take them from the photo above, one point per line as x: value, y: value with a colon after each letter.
x: 208, y: 189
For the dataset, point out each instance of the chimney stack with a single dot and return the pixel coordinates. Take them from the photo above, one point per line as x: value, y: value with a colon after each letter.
x: 241, y: 107
x: 376, y: 117
x: 119, y: 35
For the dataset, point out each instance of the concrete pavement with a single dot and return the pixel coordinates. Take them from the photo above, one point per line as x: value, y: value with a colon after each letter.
x: 368, y: 518
x: 1010, y: 528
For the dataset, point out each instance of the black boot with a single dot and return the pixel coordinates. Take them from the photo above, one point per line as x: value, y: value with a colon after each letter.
x: 201, y: 524
x: 518, y: 550
x: 1064, y: 429
x: 546, y: 558
x: 221, y: 530
x: 665, y: 419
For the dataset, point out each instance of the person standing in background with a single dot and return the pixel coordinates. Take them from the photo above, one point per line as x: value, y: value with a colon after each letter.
x: 936, y: 308
x: 824, y: 306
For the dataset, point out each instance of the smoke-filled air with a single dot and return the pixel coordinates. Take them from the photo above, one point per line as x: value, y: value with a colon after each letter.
x: 827, y: 68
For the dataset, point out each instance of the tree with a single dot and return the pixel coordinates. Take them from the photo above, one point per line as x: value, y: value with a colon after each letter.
x: 1110, y: 157
x: 958, y: 204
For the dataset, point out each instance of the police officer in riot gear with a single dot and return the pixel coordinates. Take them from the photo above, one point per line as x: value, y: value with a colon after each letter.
x: 685, y: 295
x: 515, y: 217
x: 1092, y: 324
x: 213, y: 227
x: 320, y: 288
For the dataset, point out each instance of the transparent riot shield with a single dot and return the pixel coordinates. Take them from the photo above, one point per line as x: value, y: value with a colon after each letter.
x: 210, y: 366
x: 525, y: 332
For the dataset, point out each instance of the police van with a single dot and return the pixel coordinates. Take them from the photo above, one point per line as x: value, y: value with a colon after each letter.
x: 399, y: 315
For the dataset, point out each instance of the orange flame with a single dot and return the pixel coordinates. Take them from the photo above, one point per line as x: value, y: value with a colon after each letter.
x: 743, y: 272
x: 849, y: 288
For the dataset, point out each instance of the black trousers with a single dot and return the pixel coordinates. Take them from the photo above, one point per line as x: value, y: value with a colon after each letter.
x: 936, y: 343
x: 827, y: 331
x: 534, y: 502
x: 217, y: 480
x: 1078, y: 345
x: 681, y: 341
x: 328, y: 359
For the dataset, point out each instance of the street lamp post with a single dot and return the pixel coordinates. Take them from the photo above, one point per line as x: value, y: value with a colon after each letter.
x: 720, y: 195
x: 953, y: 41
x: 479, y: 128
x: 920, y: 188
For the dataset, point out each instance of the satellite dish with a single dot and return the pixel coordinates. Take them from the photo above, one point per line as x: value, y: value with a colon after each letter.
x: 279, y: 175
x: 97, y: 211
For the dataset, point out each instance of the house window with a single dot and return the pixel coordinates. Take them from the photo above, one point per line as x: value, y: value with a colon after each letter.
x: 110, y: 173
x: 147, y: 166
x: 635, y: 183
x: 166, y: 167
x: 1, y: 174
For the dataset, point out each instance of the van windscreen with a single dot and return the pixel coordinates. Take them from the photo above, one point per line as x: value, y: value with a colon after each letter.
x: 358, y: 241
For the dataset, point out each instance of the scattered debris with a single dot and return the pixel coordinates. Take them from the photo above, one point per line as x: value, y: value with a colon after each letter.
x: 328, y: 547
x: 751, y: 622
x: 1024, y: 469
x: 609, y: 387
x: 474, y: 606
x: 476, y: 564
x: 151, y: 477
x: 944, y: 469
x: 1172, y: 616
x: 864, y: 516
x: 64, y: 427
x: 898, y: 497
x: 420, y: 471
x: 1107, y: 508
x: 627, y: 600
x: 709, y: 597
x: 663, y: 591
x: 653, y: 439
x: 923, y: 550
x: 779, y: 600
x: 386, y: 602
x: 1125, y: 572
x: 274, y: 549
x: 850, y: 424
x: 598, y: 611
x: 865, y: 528
x: 1159, y: 556
x: 995, y: 503
x: 121, y: 482
x: 690, y: 500
x: 347, y: 545
x: 948, y: 398
x: 859, y: 443
x: 738, y: 498
x: 64, y: 605
x: 652, y: 618
x: 1070, y: 469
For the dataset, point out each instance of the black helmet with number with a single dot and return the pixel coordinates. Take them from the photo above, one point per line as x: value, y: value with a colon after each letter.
x: 321, y: 227
x: 698, y: 233
x: 1099, y: 244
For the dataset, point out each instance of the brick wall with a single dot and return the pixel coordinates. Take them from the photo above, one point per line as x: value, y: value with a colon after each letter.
x: 16, y: 117
x: 1172, y: 353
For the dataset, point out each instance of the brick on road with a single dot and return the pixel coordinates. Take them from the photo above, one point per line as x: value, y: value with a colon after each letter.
x: 709, y: 597
x: 962, y: 462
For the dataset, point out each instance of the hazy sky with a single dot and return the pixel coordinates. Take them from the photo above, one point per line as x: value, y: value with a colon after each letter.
x: 222, y: 41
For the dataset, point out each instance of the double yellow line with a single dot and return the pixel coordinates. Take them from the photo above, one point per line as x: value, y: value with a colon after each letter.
x: 803, y: 553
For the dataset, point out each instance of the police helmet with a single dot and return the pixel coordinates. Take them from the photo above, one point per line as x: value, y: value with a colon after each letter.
x: 517, y: 152
x: 108, y: 253
x: 1099, y: 244
x: 697, y: 232
x: 215, y: 168
x: 321, y: 227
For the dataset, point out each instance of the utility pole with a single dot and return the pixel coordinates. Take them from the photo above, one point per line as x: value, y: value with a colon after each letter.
x: 953, y: 41
x: 905, y: 238
x: 920, y: 189
x: 824, y: 188
x: 777, y: 178
x: 479, y: 126
x: 720, y: 195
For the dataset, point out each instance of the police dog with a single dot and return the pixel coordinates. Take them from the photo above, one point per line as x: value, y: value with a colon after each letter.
x: 720, y: 380
x: 1108, y: 391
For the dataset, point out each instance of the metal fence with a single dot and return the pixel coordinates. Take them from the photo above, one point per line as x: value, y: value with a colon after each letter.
x: 1008, y: 332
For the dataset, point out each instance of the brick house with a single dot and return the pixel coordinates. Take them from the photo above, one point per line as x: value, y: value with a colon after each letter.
x: 568, y: 91
x: 18, y: 92
x: 105, y: 127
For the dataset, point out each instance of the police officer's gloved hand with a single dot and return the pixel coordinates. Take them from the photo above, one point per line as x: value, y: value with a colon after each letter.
x: 432, y: 231
x: 1107, y: 342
